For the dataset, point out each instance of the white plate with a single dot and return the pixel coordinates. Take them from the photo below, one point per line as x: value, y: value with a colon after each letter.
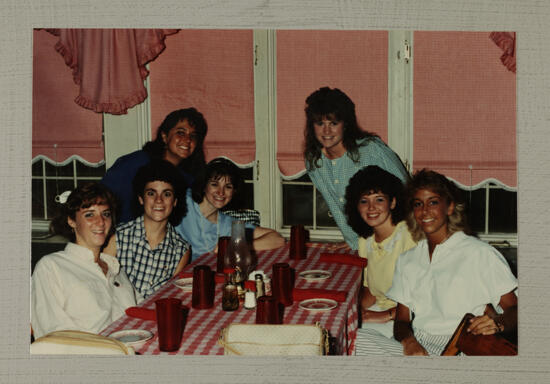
x: 315, y: 275
x: 132, y: 337
x: 185, y: 284
x: 317, y: 305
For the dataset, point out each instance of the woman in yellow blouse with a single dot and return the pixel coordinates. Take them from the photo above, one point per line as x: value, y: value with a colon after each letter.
x: 374, y: 209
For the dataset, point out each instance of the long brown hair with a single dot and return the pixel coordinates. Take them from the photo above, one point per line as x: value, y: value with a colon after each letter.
x: 332, y: 104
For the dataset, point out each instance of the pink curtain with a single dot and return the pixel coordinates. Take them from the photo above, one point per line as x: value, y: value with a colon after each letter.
x: 211, y: 70
x: 356, y: 62
x: 60, y: 128
x: 507, y: 42
x: 464, y: 108
x: 109, y: 64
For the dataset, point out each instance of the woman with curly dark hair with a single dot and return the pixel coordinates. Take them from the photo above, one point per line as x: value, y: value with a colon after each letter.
x: 374, y: 208
x: 179, y: 140
x: 148, y: 247
x: 81, y: 288
x: 336, y: 148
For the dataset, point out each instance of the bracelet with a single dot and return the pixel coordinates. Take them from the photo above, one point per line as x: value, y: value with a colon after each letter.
x: 499, y: 325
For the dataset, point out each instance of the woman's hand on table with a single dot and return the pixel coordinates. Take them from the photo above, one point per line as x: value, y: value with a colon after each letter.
x: 338, y: 247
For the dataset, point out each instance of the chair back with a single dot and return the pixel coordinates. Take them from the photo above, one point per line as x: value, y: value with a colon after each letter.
x: 477, y: 345
x: 78, y: 343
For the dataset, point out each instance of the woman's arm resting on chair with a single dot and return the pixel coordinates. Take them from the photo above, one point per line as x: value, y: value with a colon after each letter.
x: 402, y: 331
x: 488, y: 324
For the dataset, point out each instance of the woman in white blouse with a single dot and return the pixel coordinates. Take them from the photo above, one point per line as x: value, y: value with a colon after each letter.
x: 81, y: 288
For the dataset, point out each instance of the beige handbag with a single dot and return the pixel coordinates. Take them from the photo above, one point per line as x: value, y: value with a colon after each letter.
x: 274, y: 340
x: 78, y: 342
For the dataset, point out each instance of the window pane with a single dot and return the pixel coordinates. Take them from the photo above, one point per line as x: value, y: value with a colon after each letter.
x: 66, y: 170
x: 324, y: 217
x: 54, y: 188
x: 37, y: 200
x: 37, y: 168
x: 83, y: 170
x: 298, y: 205
x: 476, y: 212
x: 503, y: 211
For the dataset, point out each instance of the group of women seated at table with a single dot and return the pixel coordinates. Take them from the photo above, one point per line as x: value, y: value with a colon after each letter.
x: 425, y: 269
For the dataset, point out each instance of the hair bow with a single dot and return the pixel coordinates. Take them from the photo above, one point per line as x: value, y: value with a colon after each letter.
x: 62, y: 197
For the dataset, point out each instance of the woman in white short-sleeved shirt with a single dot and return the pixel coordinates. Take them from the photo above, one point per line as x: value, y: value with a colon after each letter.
x: 81, y: 288
x: 448, y: 274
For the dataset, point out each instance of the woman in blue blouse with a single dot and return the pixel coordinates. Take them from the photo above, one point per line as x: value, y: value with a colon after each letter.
x: 336, y: 148
x: 219, y: 189
x: 179, y: 140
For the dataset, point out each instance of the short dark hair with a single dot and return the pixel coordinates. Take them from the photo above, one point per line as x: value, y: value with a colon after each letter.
x: 437, y: 183
x: 373, y: 179
x: 83, y: 196
x: 332, y: 104
x: 194, y: 163
x: 216, y: 169
x: 161, y: 170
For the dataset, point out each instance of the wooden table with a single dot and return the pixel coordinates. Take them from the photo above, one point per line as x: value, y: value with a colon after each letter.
x: 203, y: 326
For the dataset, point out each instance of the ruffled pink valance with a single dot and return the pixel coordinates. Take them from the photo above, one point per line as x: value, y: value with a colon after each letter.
x: 109, y: 64
x: 507, y: 42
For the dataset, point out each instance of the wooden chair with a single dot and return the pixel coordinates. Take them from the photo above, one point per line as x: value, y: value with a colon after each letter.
x: 477, y: 345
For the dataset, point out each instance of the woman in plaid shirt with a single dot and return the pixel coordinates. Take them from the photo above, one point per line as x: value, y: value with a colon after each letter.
x: 148, y: 247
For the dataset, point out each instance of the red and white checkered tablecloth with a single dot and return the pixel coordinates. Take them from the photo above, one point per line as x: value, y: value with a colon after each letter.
x: 203, y: 326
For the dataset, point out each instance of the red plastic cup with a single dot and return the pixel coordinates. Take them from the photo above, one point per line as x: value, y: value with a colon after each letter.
x: 203, y: 287
x: 223, y: 248
x: 268, y: 311
x: 170, y: 318
x: 282, y: 283
x: 297, y: 246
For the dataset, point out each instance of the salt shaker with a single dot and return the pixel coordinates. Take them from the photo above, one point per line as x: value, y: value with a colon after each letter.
x: 249, y: 295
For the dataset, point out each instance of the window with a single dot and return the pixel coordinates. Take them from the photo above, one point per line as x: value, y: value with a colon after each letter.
x: 49, y: 180
x: 284, y: 195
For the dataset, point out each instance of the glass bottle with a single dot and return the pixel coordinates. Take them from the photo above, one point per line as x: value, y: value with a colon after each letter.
x: 239, y: 252
x: 230, y: 297
x: 260, y: 288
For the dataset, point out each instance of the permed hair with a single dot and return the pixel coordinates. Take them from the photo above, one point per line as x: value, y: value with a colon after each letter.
x: 373, y: 179
x: 195, y: 163
x: 439, y: 184
x: 82, y: 197
x: 332, y: 104
x: 215, y: 170
x: 161, y: 170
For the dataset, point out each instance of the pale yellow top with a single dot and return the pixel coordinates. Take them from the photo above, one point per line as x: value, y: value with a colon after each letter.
x: 378, y: 275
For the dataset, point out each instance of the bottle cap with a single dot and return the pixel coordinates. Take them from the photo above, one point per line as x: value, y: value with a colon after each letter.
x: 249, y: 284
x: 258, y: 276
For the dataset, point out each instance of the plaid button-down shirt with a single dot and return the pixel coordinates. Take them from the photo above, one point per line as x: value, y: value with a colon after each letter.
x: 148, y: 268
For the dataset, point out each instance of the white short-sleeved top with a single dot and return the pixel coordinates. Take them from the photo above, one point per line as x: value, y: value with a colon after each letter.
x: 70, y: 291
x: 464, y: 275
